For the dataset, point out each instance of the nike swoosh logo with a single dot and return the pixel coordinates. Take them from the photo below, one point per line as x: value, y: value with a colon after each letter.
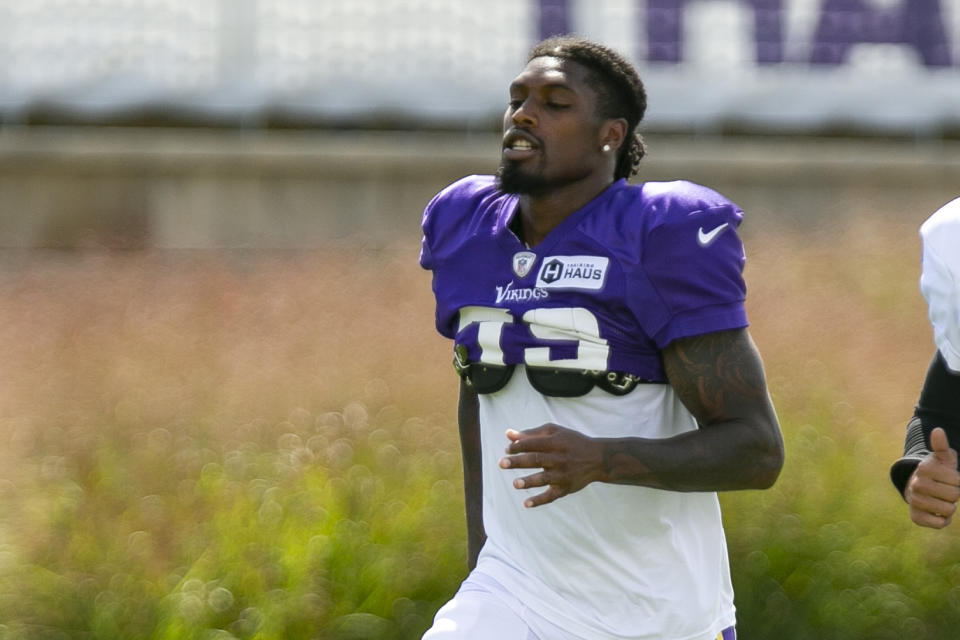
x: 706, y: 238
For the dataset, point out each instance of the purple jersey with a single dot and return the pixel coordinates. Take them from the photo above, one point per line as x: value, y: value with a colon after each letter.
x: 636, y: 268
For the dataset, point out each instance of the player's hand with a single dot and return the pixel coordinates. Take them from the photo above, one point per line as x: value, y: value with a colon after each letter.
x: 934, y: 488
x: 569, y: 461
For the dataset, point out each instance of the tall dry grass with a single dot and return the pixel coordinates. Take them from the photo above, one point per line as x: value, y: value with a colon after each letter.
x: 256, y: 444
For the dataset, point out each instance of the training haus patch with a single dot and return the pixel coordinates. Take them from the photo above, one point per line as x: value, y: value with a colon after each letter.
x: 573, y: 272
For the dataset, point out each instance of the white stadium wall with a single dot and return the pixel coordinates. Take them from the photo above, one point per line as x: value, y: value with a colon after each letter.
x: 878, y: 66
x: 886, y: 69
x: 112, y: 187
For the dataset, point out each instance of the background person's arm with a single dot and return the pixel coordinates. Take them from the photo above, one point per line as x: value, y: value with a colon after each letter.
x: 926, y: 475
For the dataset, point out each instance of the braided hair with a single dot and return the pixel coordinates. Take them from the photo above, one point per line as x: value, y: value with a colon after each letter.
x: 620, y: 92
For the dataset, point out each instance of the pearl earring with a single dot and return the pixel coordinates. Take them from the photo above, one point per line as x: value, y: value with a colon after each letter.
x: 606, y: 148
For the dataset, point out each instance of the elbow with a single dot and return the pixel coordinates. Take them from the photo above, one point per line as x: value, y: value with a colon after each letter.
x: 768, y: 475
x: 769, y: 462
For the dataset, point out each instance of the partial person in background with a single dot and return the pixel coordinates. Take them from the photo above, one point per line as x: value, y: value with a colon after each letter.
x: 609, y: 386
x: 927, y: 474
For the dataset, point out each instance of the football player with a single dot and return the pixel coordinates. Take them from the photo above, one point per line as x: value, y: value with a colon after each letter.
x: 609, y: 384
x: 927, y: 475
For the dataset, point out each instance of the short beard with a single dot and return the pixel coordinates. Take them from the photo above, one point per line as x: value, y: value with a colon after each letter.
x: 512, y: 179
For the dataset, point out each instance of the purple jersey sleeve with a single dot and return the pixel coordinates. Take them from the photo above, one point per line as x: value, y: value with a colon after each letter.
x: 426, y: 226
x: 450, y: 220
x: 429, y: 224
x: 693, y: 260
x: 446, y: 218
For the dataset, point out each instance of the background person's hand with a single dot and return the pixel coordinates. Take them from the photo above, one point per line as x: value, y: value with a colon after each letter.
x: 934, y: 488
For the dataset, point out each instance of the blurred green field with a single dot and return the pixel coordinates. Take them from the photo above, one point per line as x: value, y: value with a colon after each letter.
x: 263, y: 445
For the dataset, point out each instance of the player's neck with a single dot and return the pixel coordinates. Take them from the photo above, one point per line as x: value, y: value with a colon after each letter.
x: 542, y: 214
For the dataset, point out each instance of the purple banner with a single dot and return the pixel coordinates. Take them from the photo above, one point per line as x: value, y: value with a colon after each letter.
x: 841, y: 24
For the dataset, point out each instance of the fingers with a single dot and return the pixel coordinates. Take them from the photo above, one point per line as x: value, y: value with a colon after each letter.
x: 941, y: 447
x: 932, y: 491
x: 532, y: 460
x: 545, y: 429
x: 933, y: 482
x: 546, y: 497
x: 531, y: 481
x: 535, y: 440
x: 532, y: 447
x: 928, y: 519
x: 934, y: 470
x: 548, y: 448
x: 517, y: 459
x: 921, y: 503
x: 938, y: 440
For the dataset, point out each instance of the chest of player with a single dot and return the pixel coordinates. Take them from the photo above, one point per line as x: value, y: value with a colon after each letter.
x: 562, y: 305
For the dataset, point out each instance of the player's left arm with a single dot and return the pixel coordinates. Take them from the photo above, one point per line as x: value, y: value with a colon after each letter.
x: 719, y: 377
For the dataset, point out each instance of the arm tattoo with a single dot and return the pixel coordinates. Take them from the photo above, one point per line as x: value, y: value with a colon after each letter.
x: 719, y: 378
x: 715, y: 374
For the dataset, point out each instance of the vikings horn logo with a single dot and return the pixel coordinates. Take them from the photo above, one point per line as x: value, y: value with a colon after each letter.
x: 523, y: 262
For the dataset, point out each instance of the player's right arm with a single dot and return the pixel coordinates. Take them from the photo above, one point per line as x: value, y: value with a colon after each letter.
x: 468, y: 417
x: 450, y: 217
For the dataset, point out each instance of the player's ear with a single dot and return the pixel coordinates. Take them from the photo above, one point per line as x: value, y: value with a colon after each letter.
x: 613, y: 132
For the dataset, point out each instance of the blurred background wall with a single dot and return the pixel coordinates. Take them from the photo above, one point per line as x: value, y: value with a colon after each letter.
x: 288, y: 123
x: 117, y: 187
